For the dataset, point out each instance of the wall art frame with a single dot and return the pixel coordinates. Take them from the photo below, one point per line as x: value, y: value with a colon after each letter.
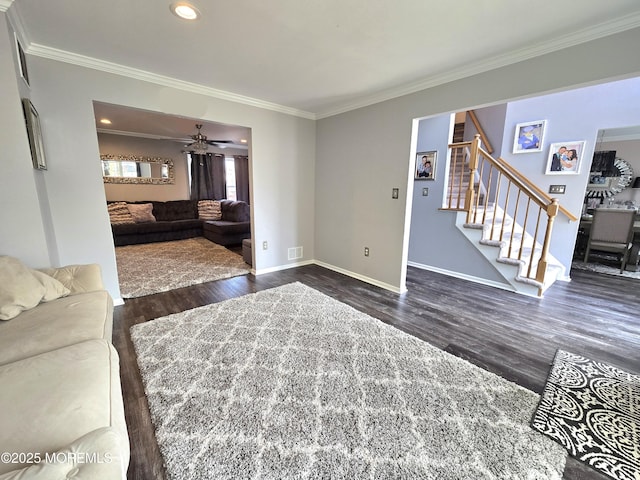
x: 565, y: 158
x: 426, y: 163
x: 34, y: 132
x: 529, y: 137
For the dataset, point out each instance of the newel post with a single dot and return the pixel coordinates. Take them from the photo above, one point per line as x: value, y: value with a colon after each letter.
x: 552, y: 212
x: 469, y: 198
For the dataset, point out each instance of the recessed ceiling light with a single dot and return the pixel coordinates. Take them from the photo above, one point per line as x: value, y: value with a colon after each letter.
x: 184, y: 10
x: 105, y: 121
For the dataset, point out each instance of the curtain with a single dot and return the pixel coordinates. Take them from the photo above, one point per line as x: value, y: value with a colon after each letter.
x: 207, y: 177
x: 241, y: 163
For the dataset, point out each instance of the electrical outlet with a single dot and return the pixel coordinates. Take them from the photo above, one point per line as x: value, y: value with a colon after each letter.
x: 366, y: 251
x: 265, y: 245
x: 425, y: 192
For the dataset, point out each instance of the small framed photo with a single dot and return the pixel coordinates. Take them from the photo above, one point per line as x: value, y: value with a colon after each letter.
x: 529, y: 136
x: 426, y: 165
x: 565, y: 158
x: 34, y: 133
x: 22, y: 61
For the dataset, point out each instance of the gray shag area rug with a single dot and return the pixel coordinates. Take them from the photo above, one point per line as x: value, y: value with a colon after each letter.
x: 159, y: 267
x: 289, y: 383
x: 593, y: 410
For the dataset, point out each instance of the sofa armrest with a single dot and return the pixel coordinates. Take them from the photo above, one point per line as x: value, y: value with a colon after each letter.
x: 78, y: 278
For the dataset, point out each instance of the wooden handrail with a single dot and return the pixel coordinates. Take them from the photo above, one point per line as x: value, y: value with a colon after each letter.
x: 483, y: 136
x: 534, y: 188
x: 507, y: 204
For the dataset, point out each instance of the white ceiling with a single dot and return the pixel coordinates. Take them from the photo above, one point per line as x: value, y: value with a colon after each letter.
x: 314, y: 57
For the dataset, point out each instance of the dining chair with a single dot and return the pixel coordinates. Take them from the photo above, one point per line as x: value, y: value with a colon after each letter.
x: 611, y: 231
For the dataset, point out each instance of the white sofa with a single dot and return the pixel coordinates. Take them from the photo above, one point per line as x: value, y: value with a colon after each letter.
x: 61, y: 406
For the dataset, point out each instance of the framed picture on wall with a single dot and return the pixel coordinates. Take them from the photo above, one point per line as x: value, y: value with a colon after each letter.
x: 529, y: 136
x: 426, y: 165
x: 34, y: 133
x: 22, y: 60
x: 565, y: 158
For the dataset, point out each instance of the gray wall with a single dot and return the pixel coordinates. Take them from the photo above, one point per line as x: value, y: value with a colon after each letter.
x: 426, y: 247
x: 22, y: 233
x: 363, y: 153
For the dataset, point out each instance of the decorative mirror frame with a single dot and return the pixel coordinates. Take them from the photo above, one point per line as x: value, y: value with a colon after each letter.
x: 614, y: 185
x: 138, y: 180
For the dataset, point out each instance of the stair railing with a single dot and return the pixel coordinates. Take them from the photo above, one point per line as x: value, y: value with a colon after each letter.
x: 507, y: 200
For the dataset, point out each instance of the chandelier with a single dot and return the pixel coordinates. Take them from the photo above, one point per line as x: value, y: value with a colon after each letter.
x: 199, y: 145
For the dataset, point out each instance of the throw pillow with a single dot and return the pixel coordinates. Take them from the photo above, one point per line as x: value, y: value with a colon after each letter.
x: 52, y: 288
x: 209, y: 210
x: 119, y: 213
x: 141, y: 212
x: 19, y: 288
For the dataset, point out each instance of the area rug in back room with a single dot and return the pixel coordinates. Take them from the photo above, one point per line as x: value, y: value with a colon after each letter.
x: 158, y: 267
x: 593, y: 410
x: 289, y: 383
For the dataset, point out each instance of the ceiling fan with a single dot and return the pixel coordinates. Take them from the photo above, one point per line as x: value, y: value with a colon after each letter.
x: 200, y: 143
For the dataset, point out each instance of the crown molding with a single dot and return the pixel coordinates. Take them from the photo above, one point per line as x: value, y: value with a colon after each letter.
x: 15, y: 20
x: 117, y: 69
x: 5, y: 4
x: 557, y: 43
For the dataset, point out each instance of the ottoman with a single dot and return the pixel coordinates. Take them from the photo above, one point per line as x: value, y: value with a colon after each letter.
x: 246, y: 251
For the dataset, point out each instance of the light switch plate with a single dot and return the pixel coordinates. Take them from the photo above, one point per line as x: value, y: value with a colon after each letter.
x: 559, y: 189
x: 425, y: 192
x: 394, y: 193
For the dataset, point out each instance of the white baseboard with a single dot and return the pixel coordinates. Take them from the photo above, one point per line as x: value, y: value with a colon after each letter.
x: 279, y: 268
x: 357, y: 276
x: 463, y: 276
x: 118, y: 301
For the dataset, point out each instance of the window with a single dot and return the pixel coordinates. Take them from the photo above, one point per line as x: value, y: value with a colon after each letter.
x: 230, y: 173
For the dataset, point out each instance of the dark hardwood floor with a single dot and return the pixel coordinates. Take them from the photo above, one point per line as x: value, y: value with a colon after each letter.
x: 514, y: 336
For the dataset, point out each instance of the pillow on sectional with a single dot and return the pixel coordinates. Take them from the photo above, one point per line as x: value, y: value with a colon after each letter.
x: 19, y: 288
x: 141, y: 212
x: 209, y: 210
x: 119, y: 213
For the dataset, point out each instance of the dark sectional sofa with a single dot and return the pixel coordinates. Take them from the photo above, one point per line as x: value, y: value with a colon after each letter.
x: 178, y: 219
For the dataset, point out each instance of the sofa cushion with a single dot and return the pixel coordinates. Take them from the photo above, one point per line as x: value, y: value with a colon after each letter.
x: 175, y: 210
x: 59, y: 396
x: 94, y: 456
x: 56, y: 324
x: 119, y: 213
x: 223, y: 227
x: 141, y: 212
x: 209, y: 210
x: 78, y: 278
x: 19, y: 288
x: 156, y: 227
x: 235, y: 211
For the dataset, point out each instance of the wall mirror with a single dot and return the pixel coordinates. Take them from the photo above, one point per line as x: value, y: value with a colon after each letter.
x: 608, y: 185
x: 137, y: 169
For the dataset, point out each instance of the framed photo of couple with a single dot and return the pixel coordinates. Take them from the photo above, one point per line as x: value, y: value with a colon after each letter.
x: 565, y: 158
x: 426, y: 165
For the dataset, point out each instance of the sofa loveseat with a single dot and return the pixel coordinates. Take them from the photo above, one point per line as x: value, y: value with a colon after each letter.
x: 154, y: 221
x: 60, y: 395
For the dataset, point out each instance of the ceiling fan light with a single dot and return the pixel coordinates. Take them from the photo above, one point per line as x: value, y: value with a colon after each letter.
x: 185, y: 10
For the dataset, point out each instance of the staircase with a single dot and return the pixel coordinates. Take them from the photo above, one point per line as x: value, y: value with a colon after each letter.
x: 506, y: 217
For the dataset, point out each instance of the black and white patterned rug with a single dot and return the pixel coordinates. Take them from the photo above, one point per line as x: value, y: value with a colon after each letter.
x: 593, y: 410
